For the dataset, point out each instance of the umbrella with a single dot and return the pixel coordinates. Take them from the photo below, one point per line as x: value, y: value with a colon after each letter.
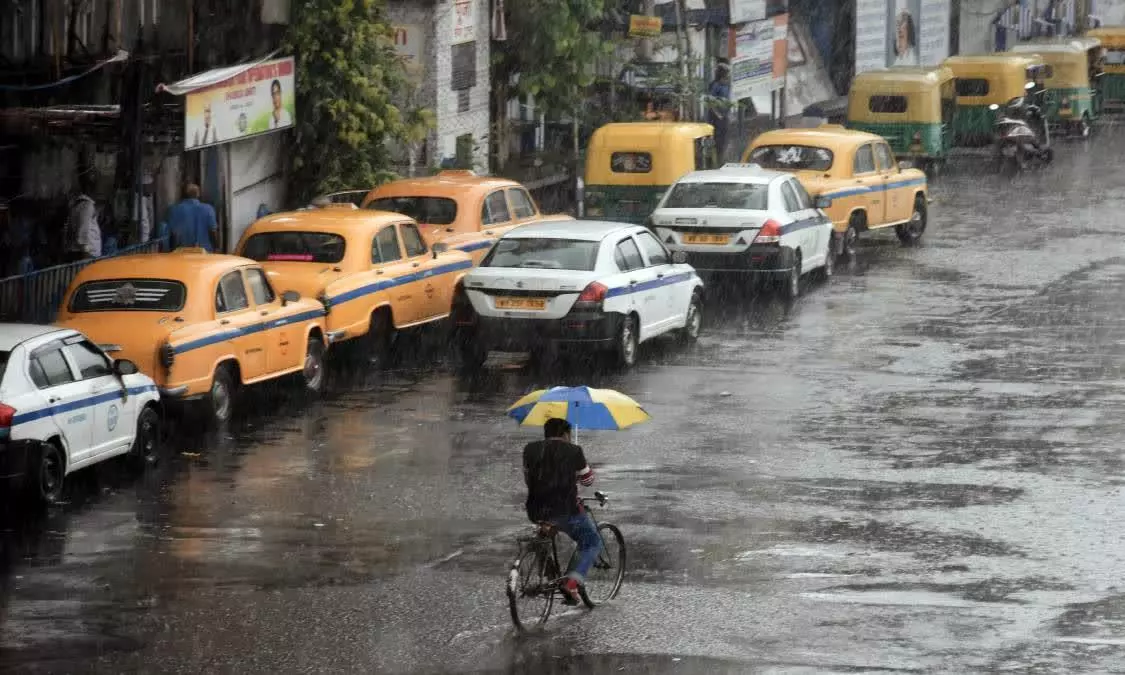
x: 583, y: 407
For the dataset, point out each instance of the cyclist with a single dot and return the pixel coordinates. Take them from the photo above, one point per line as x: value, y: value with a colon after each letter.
x: 552, y: 469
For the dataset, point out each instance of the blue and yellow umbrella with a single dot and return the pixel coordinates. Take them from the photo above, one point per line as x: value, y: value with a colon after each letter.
x: 583, y: 407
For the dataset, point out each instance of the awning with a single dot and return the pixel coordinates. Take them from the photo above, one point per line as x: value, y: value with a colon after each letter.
x: 211, y: 77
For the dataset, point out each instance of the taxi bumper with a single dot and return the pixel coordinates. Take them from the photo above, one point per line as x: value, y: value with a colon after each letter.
x: 16, y: 460
x: 758, y: 258
x: 578, y: 330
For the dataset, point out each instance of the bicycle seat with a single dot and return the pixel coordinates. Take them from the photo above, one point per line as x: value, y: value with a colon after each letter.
x: 547, y: 529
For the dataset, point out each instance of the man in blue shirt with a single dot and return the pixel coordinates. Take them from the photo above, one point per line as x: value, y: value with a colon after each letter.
x: 717, y: 111
x: 191, y: 223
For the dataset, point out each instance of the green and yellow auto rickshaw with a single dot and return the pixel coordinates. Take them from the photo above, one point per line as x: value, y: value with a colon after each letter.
x: 983, y: 80
x: 910, y: 107
x: 1072, y: 100
x: 1112, y: 82
x: 629, y: 165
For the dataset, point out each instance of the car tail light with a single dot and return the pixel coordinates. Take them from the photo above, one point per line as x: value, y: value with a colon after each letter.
x: 769, y: 234
x: 592, y: 297
x: 167, y: 356
x: 7, y: 415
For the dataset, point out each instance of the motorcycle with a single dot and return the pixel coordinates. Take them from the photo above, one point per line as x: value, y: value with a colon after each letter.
x: 1021, y: 137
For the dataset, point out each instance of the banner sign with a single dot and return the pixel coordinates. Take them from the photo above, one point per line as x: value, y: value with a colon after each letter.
x: 742, y: 11
x: 641, y: 26
x: 759, y: 57
x: 464, y: 21
x: 256, y: 101
x: 901, y: 33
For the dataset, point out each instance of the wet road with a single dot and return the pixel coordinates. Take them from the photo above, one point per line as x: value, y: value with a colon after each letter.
x: 915, y: 468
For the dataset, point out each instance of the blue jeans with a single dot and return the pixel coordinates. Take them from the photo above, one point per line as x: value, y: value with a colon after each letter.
x: 581, y: 529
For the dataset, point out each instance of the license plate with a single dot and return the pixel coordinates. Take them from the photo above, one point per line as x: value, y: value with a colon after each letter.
x: 712, y: 239
x: 521, y: 303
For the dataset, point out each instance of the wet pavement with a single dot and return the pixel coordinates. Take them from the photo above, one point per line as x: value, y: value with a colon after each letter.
x: 916, y: 468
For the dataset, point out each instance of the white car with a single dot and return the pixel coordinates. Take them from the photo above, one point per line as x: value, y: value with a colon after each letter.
x: 585, y: 284
x: 65, y: 405
x: 742, y: 218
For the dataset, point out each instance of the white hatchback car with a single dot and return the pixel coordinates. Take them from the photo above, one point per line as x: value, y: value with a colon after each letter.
x: 742, y: 218
x: 585, y: 284
x: 65, y: 405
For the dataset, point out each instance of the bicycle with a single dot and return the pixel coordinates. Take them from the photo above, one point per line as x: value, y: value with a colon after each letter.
x: 536, y: 576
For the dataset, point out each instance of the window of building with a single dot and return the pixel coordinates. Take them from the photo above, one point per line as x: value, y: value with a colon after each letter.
x: 464, y: 60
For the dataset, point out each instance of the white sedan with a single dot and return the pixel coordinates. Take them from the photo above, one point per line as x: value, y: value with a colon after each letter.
x: 742, y: 218
x: 65, y: 405
x: 585, y: 284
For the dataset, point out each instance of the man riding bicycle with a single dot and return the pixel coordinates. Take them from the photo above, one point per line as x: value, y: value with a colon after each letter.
x: 552, y: 469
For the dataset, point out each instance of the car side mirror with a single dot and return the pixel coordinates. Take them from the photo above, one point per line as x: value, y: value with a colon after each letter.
x: 123, y: 367
x: 679, y: 257
x: 823, y: 202
x: 439, y: 248
x: 289, y: 296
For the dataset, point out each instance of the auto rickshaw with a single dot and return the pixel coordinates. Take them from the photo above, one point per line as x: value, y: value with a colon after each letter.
x: 1072, y: 100
x: 983, y: 80
x: 1112, y: 81
x: 629, y: 165
x: 910, y: 107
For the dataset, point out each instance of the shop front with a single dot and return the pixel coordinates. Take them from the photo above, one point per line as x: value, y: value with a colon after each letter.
x: 232, y: 151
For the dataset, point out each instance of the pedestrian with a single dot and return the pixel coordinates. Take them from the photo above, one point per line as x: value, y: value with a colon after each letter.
x: 552, y: 469
x: 82, y: 238
x: 191, y: 223
x: 719, y: 106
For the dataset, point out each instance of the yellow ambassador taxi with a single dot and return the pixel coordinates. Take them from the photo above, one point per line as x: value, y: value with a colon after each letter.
x: 857, y: 172
x: 200, y: 324
x: 372, y: 270
x: 466, y: 211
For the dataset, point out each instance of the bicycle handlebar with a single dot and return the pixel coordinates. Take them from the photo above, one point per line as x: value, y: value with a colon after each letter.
x: 600, y: 496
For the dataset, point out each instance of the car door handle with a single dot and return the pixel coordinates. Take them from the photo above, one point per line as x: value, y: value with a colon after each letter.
x: 223, y: 322
x: 264, y: 312
x: 632, y: 282
x: 660, y: 275
x: 415, y: 264
x: 53, y: 399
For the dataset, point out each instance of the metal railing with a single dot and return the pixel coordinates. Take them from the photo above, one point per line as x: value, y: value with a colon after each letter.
x: 35, y: 297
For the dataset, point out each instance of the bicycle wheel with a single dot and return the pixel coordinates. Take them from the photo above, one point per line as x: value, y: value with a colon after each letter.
x: 603, y: 583
x: 531, y: 591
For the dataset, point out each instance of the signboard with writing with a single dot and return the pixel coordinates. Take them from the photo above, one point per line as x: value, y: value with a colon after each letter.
x: 464, y: 21
x: 411, y: 47
x: 256, y: 101
x: 759, y: 57
x: 641, y: 26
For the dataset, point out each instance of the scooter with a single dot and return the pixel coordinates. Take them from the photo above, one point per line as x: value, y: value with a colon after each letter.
x: 1021, y: 139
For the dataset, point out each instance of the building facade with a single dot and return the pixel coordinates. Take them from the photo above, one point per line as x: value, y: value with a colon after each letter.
x: 448, y: 45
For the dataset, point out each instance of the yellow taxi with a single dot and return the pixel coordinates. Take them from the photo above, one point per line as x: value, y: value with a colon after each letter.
x: 460, y: 208
x: 865, y: 188
x: 200, y: 324
x: 372, y: 270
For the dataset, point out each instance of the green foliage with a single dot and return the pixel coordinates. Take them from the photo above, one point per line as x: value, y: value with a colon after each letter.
x: 553, y: 46
x: 348, y: 74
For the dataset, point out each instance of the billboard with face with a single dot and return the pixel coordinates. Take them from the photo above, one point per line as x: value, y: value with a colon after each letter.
x: 901, y: 33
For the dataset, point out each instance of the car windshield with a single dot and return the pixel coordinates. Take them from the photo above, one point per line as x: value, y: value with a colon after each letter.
x: 426, y: 210
x: 554, y: 254
x: 140, y: 295
x: 717, y: 196
x: 792, y: 157
x: 314, y: 247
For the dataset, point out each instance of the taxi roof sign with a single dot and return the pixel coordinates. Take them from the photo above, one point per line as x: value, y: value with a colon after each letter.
x: 740, y: 165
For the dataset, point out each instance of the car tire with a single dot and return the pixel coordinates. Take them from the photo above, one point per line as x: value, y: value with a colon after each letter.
x: 791, y: 280
x: 45, y: 481
x: 313, y: 372
x: 146, y: 444
x: 221, y: 395
x: 694, y: 322
x: 471, y: 354
x: 911, y: 232
x: 828, y: 269
x: 626, y: 345
x: 850, y: 239
x: 378, y: 340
